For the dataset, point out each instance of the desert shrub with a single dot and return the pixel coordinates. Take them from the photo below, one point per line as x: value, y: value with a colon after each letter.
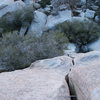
x: 73, y: 3
x: 18, y: 52
x: 14, y: 20
x: 98, y: 10
x: 44, y: 3
x: 80, y: 32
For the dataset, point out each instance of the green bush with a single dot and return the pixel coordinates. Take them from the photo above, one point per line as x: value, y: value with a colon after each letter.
x: 44, y: 3
x: 14, y: 20
x: 79, y: 32
x: 97, y: 2
x: 73, y: 3
x: 18, y: 52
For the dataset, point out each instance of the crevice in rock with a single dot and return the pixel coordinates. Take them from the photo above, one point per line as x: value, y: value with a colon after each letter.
x: 73, y: 95
x: 73, y: 59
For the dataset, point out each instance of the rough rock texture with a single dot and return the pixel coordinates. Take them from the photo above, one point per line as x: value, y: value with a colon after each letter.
x: 85, y: 59
x: 5, y: 2
x: 38, y: 24
x: 28, y: 1
x: 85, y: 76
x: 61, y: 17
x: 61, y: 64
x: 90, y: 13
x: 12, y: 8
x: 44, y: 80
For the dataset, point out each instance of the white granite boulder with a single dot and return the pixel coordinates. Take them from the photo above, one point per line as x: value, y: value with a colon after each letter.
x: 44, y: 80
x: 61, y: 17
x: 84, y: 77
x: 90, y: 14
x: 38, y: 24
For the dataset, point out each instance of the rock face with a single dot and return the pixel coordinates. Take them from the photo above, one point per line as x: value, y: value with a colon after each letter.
x: 38, y: 24
x: 44, y: 80
x: 85, y: 76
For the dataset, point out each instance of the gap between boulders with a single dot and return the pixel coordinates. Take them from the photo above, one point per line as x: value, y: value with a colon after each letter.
x: 72, y: 92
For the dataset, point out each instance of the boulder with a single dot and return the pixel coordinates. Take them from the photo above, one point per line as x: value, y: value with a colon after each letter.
x: 28, y: 2
x: 36, y: 5
x: 94, y: 46
x: 61, y: 17
x: 12, y: 8
x: 38, y: 24
x: 97, y: 19
x: 60, y: 64
x: 89, y: 13
x: 44, y: 80
x: 64, y: 7
x: 87, y: 58
x: 95, y: 8
x: 83, y: 1
x: 84, y: 78
x: 5, y: 2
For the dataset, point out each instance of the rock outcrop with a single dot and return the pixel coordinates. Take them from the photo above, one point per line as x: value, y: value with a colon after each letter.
x: 44, y: 80
x: 84, y: 78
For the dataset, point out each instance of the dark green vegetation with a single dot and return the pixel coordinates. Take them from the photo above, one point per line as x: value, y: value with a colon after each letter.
x: 79, y: 32
x: 14, y: 20
x: 18, y: 52
x: 44, y: 3
x: 98, y: 10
